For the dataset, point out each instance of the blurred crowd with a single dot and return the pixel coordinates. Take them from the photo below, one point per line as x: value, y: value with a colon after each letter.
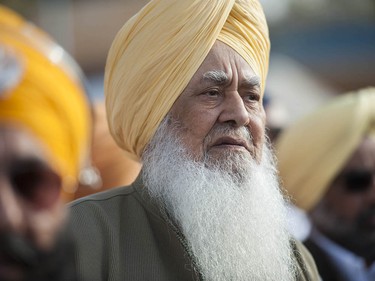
x: 55, y: 146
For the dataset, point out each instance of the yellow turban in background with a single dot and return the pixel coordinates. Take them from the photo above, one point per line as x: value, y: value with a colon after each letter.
x: 116, y: 169
x: 156, y: 53
x: 314, y: 150
x: 10, y: 18
x: 46, y: 100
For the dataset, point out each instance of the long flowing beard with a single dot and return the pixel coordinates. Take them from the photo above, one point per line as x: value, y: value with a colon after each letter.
x: 235, y: 225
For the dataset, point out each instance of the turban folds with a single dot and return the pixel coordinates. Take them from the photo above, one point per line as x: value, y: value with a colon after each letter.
x: 156, y: 53
x: 314, y: 150
x: 46, y: 100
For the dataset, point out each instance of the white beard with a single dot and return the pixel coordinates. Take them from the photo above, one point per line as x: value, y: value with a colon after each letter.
x: 235, y: 225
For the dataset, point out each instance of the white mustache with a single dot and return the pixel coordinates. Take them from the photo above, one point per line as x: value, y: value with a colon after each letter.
x: 218, y: 131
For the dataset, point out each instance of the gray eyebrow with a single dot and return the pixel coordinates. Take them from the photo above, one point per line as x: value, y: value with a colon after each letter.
x: 220, y: 77
x: 217, y: 76
x: 251, y: 81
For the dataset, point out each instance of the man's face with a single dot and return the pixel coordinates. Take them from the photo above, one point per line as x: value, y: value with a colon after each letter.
x: 218, y: 205
x: 223, y: 93
x: 349, y: 203
x: 31, y: 212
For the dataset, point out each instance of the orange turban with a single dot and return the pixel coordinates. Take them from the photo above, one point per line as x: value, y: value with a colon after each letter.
x: 156, y: 53
x: 116, y: 169
x: 313, y: 151
x: 47, y: 99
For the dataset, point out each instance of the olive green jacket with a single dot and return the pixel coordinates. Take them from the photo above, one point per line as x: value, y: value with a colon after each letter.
x: 121, y: 236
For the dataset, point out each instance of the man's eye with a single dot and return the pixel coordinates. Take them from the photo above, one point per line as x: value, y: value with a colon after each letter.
x: 252, y: 97
x: 212, y: 93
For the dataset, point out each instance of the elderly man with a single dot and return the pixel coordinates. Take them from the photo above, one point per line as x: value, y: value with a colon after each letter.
x: 184, y: 86
x: 327, y: 163
x: 44, y: 139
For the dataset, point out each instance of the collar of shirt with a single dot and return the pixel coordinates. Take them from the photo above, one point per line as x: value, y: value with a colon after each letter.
x: 353, y: 266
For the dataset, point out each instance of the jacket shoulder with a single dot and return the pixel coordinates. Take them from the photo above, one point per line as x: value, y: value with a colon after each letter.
x: 110, y: 194
x: 306, y: 267
x: 98, y: 224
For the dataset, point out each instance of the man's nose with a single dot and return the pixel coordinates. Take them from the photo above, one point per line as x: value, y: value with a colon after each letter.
x: 11, y: 212
x: 234, y: 110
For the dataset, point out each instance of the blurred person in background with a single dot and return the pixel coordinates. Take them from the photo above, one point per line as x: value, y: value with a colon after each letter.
x: 114, y: 166
x: 184, y: 87
x: 44, y: 142
x: 276, y: 117
x: 327, y: 164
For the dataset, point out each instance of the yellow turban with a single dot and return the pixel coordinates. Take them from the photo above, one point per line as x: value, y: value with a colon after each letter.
x: 115, y: 168
x: 10, y: 18
x: 46, y: 100
x: 156, y: 53
x: 313, y: 151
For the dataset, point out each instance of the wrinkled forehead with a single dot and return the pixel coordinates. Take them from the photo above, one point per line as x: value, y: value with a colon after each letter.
x: 222, y: 61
